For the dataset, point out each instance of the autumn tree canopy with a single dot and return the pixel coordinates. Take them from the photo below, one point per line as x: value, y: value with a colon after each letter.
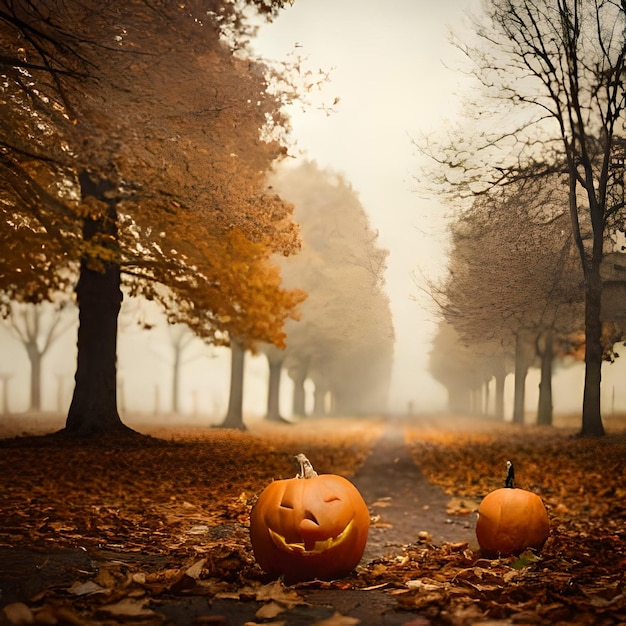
x: 135, y: 143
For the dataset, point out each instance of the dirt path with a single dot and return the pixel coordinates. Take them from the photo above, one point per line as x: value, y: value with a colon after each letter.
x: 403, y: 502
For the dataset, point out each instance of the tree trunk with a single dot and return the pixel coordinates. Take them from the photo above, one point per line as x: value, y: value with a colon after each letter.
x: 476, y: 399
x: 487, y: 398
x: 319, y: 405
x: 34, y: 356
x: 480, y: 399
x: 299, y: 397
x: 592, y: 416
x: 500, y: 380
x: 544, y: 408
x: 93, y: 410
x: 176, y: 380
x: 273, y: 393
x: 521, y: 371
x: 299, y: 393
x: 459, y: 398
x: 234, y: 414
x: 5, y: 393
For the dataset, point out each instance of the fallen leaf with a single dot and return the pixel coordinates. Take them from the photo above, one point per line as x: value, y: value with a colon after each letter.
x: 129, y: 608
x: 86, y: 588
x: 276, y: 591
x: 382, y: 525
x: 337, y: 619
x: 461, y: 506
x: 382, y: 503
x: 270, y: 610
x: 196, y: 569
x: 198, y: 530
x: 424, y: 585
x: 18, y: 613
x: 525, y: 559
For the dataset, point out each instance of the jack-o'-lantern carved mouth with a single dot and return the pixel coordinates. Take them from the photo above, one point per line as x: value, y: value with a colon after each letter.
x: 310, y: 548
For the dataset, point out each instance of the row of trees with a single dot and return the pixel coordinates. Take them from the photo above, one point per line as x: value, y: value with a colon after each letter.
x: 513, y: 298
x: 344, y: 339
x: 546, y: 125
x: 135, y: 143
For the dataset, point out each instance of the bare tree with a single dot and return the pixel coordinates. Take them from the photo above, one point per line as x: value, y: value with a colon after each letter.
x: 181, y: 337
x: 37, y: 327
x: 553, y: 74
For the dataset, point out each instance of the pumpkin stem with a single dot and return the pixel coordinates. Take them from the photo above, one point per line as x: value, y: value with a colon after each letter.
x: 306, y: 469
x: 510, y: 475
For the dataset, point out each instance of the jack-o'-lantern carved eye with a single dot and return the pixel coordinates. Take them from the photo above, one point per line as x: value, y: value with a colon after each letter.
x: 310, y: 526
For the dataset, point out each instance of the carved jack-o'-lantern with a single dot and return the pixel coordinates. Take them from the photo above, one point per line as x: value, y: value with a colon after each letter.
x: 310, y: 526
x: 511, y: 520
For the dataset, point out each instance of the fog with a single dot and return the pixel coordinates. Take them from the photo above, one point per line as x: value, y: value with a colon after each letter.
x: 387, y: 65
x: 145, y: 379
x: 392, y: 71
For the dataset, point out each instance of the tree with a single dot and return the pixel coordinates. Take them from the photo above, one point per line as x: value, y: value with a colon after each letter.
x: 37, y: 327
x: 554, y: 73
x: 148, y: 166
x: 234, y: 413
x: 275, y: 359
x: 258, y: 315
x: 180, y: 337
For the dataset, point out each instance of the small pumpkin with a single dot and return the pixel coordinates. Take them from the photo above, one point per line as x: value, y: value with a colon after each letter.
x: 311, y: 526
x: 510, y: 520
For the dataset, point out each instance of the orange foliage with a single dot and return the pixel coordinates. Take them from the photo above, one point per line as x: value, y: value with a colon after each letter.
x: 151, y: 99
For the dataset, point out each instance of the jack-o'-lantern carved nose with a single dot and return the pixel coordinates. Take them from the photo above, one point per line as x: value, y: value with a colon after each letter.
x: 309, y: 524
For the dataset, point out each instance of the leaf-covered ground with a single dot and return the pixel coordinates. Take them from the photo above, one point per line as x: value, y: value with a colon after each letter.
x: 579, y: 577
x: 165, y: 520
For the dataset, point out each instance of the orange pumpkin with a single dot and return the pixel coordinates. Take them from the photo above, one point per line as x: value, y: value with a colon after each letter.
x: 511, y: 520
x: 311, y: 526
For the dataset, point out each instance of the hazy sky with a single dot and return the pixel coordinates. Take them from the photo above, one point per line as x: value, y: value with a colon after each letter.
x: 388, y: 62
